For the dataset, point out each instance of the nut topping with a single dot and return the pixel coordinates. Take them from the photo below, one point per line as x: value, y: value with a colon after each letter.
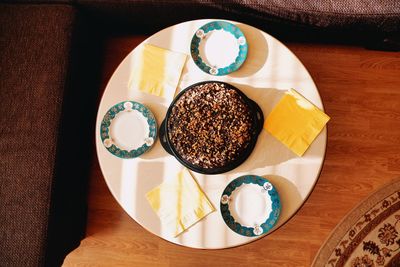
x: 210, y: 125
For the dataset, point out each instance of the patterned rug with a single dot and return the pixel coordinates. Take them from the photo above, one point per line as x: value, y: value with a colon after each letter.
x: 369, y: 235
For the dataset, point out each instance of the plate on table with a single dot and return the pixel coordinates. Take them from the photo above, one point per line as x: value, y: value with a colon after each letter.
x: 250, y: 205
x: 219, y: 48
x: 128, y: 129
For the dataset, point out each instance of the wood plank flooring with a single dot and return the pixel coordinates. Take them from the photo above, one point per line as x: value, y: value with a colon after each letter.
x: 360, y: 91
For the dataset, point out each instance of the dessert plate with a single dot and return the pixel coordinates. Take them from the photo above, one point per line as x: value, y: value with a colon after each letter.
x: 250, y: 205
x: 128, y: 129
x: 219, y: 48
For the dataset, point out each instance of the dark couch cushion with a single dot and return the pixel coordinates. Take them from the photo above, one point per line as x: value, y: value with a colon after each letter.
x: 358, y: 21
x: 43, y: 165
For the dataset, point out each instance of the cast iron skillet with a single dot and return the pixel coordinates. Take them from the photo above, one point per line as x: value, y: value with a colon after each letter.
x: 258, y: 121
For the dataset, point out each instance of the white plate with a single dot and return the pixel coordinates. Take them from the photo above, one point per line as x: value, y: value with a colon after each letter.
x: 128, y: 129
x: 219, y: 48
x: 250, y: 205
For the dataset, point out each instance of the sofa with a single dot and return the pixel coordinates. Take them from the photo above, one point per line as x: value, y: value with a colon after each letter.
x: 50, y: 66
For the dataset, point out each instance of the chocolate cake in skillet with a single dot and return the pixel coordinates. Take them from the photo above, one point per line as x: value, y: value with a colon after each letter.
x: 210, y: 125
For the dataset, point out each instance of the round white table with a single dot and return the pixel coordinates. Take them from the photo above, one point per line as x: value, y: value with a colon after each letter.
x: 270, y: 69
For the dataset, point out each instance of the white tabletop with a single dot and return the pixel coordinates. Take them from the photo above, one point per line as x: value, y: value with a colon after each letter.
x: 269, y: 70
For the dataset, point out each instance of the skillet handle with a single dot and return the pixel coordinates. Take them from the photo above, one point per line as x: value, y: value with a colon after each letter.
x: 163, y: 138
x: 259, y: 117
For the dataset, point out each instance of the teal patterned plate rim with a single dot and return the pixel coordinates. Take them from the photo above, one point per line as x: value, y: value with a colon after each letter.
x: 127, y: 106
x: 267, y: 188
x: 201, y: 34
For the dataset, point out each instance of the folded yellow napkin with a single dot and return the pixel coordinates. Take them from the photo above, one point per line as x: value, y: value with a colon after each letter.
x: 179, y: 203
x: 296, y: 122
x: 156, y: 70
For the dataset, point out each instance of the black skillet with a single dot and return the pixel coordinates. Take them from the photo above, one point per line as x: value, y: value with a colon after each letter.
x: 258, y: 121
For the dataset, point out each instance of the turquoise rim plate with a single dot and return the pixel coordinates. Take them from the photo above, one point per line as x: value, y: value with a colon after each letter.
x: 201, y: 33
x: 266, y: 188
x: 127, y: 106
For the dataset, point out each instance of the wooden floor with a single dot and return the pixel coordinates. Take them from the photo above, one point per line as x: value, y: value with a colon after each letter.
x: 360, y: 91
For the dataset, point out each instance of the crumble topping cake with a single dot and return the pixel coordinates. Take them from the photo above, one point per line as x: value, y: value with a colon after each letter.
x: 210, y: 125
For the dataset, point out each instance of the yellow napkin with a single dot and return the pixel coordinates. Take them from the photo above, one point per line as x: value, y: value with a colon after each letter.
x: 295, y: 122
x: 156, y: 70
x: 179, y: 203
